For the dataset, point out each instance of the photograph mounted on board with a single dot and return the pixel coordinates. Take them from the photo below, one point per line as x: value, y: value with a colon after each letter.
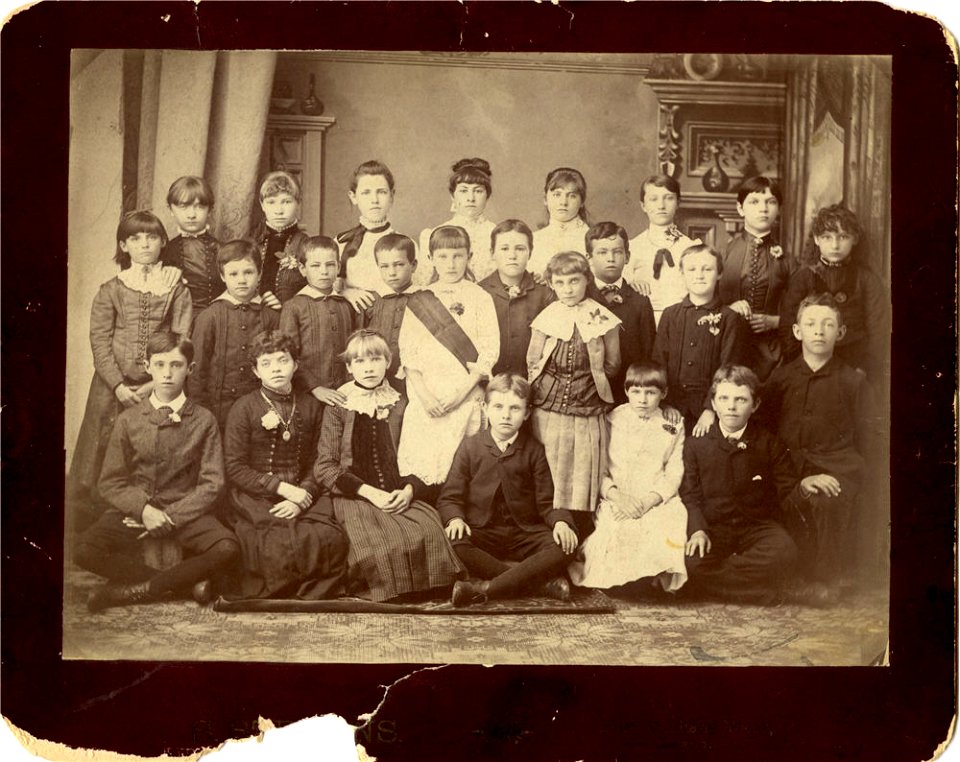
x: 393, y: 357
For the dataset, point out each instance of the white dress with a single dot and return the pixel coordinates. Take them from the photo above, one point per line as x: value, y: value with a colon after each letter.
x: 554, y: 238
x: 427, y: 444
x: 669, y: 288
x: 645, y: 455
x: 481, y: 257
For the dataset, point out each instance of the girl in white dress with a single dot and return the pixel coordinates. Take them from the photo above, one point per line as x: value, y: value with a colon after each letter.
x: 565, y: 197
x: 470, y: 190
x: 641, y: 522
x: 449, y: 341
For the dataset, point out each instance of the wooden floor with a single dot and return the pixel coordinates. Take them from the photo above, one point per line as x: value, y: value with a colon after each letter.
x: 638, y: 633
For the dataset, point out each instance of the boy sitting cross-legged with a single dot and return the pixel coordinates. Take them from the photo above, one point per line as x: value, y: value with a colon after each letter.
x: 738, y: 483
x: 161, y: 477
x: 497, y: 505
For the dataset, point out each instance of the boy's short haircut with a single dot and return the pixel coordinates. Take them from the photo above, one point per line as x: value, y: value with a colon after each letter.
x: 268, y: 342
x: 396, y: 242
x: 190, y: 189
x: 758, y: 184
x: 509, y: 383
x: 834, y: 219
x: 167, y: 341
x: 278, y: 182
x: 449, y: 237
x: 240, y: 249
x: 133, y: 223
x: 314, y: 242
x: 512, y: 226
x: 740, y: 375
x: 698, y: 248
x: 820, y: 300
x: 606, y: 230
x: 374, y: 168
x: 365, y: 343
x: 660, y: 181
x: 646, y: 374
x: 566, y: 263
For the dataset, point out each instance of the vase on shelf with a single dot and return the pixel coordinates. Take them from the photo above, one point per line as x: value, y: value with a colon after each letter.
x: 715, y: 180
x: 311, y: 105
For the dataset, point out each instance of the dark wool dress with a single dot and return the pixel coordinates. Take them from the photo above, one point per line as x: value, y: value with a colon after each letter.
x: 390, y: 553
x: 282, y: 558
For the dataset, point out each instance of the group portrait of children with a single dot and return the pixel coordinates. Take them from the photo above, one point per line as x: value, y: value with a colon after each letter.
x: 482, y: 409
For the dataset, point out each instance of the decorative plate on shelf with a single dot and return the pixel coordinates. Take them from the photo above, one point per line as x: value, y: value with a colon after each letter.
x: 703, y: 66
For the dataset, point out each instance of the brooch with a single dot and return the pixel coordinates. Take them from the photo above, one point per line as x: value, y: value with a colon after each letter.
x: 840, y: 296
x: 457, y: 309
x: 513, y: 291
x: 713, y: 321
x: 776, y: 251
x: 596, y: 317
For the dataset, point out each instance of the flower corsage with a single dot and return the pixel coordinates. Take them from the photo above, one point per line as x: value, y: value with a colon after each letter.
x: 596, y: 317
x: 289, y: 262
x: 270, y: 420
x: 673, y: 234
x: 776, y: 251
x: 513, y: 291
x: 457, y: 309
x: 670, y: 428
x: 713, y: 321
x: 175, y: 417
x: 741, y: 445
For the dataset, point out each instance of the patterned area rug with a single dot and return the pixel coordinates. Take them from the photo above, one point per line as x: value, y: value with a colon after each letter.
x: 581, y: 602
x: 638, y: 633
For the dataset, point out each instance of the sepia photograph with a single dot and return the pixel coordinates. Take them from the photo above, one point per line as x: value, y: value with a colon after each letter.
x: 492, y: 358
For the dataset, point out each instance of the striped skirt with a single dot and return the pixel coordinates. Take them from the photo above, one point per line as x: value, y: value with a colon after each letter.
x: 576, y: 448
x: 391, y: 554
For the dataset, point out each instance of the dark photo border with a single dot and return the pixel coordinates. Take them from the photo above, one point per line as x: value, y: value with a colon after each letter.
x: 901, y: 712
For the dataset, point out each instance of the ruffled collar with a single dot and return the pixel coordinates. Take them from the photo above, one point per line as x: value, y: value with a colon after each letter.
x: 374, y: 227
x: 156, y: 279
x: 834, y: 265
x: 467, y: 222
x: 374, y: 403
x: 590, y: 318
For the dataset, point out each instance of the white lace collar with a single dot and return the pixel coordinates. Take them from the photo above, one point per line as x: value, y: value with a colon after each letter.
x: 375, y: 403
x: 153, y: 279
x: 591, y: 319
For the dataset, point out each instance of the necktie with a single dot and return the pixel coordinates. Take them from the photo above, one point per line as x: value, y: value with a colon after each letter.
x: 662, y: 255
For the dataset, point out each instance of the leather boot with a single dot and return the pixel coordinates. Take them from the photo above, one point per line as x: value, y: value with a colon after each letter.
x: 557, y: 588
x: 467, y: 593
x: 112, y: 594
x: 203, y: 592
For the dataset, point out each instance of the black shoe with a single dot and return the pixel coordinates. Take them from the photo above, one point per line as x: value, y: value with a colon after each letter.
x: 203, y: 592
x: 814, y: 594
x: 557, y: 588
x: 119, y: 595
x: 468, y: 593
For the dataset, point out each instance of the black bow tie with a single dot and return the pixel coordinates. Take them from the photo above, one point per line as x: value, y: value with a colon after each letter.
x: 610, y: 290
x: 662, y: 255
x: 733, y: 440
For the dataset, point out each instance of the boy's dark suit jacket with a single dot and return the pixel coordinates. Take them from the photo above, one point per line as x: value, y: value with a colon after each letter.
x: 639, y: 330
x: 522, y: 472
x: 720, y: 479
